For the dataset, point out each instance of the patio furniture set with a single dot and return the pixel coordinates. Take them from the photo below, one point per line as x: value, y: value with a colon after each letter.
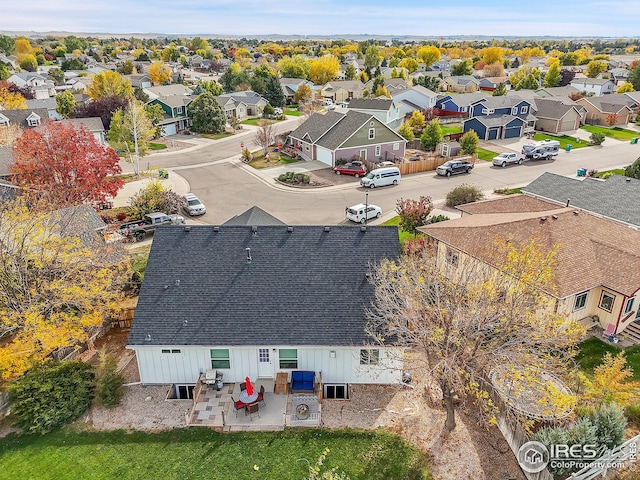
x: 249, y: 399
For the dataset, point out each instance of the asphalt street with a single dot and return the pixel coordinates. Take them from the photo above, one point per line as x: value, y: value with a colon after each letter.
x: 228, y: 188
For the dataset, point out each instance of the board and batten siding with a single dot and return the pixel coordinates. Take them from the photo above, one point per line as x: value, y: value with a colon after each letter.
x: 185, y: 363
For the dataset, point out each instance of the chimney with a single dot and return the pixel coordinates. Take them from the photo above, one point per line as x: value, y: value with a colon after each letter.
x: 568, y: 201
x: 248, y: 254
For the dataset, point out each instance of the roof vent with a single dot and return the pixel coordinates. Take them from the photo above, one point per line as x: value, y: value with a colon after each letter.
x: 187, y: 228
x: 166, y: 287
x: 185, y: 323
x: 177, y: 282
x: 543, y: 219
x: 555, y: 217
x: 254, y: 230
x: 576, y: 212
x: 290, y: 229
x: 628, y: 179
x: 248, y: 254
x: 363, y: 228
x: 216, y: 229
x: 327, y: 229
x: 148, y: 337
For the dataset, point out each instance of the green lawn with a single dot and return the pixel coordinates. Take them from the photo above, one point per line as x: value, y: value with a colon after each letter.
x: 564, y: 140
x: 394, y: 222
x: 157, y: 146
x: 486, y: 155
x: 608, y: 173
x: 448, y: 129
x: 508, y: 191
x: 256, y: 121
x: 275, y: 159
x: 293, y: 113
x: 201, y: 453
x: 216, y: 136
x: 616, y: 132
x: 593, y: 349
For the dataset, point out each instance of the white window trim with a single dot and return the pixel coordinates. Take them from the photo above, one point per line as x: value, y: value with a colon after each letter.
x: 602, y: 297
x: 372, y: 133
x: 378, y: 150
x: 575, y: 301
x: 396, y: 145
x: 628, y: 305
x: 369, y: 360
x: 523, y: 109
x: 452, y: 257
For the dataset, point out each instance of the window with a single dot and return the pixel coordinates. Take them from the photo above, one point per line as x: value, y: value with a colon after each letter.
x: 378, y: 149
x: 369, y: 356
x: 628, y: 305
x: 396, y: 146
x: 336, y: 391
x: 220, y: 358
x: 581, y: 301
x: 33, y: 121
x: 372, y: 133
x: 514, y: 111
x: 363, y: 154
x: 288, y: 358
x: 606, y: 301
x: 523, y: 109
x: 485, y: 111
x: 174, y: 350
x: 179, y: 109
x: 452, y: 257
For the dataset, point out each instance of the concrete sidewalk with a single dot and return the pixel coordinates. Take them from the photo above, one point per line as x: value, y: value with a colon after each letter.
x: 174, y: 182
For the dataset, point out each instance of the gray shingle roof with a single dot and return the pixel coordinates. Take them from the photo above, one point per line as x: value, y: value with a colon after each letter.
x: 370, y: 103
x: 255, y: 216
x: 495, y: 120
x: 19, y: 117
x: 304, y: 287
x: 605, y: 105
x: 6, y: 160
x: 615, y: 198
x: 316, y: 125
x: 350, y: 124
x: 552, y: 109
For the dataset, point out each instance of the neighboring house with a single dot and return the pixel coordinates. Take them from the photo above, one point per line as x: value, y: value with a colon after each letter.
x: 332, y: 136
x: 139, y: 80
x: 615, y: 198
x: 561, y: 92
x: 556, y: 117
x: 339, y: 91
x: 495, y: 118
x: 40, y: 85
x: 250, y: 309
x: 386, y: 110
x: 242, y: 104
x: 618, y: 75
x: 597, y: 86
x: 460, y: 103
x: 392, y: 85
x: 174, y: 100
x: 491, y: 83
x: 6, y: 161
x: 48, y: 104
x: 291, y: 85
x: 597, y: 269
x: 93, y: 124
x: 461, y: 84
x: 625, y: 99
x: 255, y: 217
x: 440, y: 66
x: 414, y: 98
x: 29, y: 118
x: 600, y: 108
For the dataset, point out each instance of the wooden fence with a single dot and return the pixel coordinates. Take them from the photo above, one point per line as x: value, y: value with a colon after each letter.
x: 426, y: 162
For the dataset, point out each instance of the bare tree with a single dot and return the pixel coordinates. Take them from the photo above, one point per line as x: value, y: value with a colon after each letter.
x: 266, y: 135
x: 466, y: 318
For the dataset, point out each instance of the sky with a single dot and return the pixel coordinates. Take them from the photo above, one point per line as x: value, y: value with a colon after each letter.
x: 493, y: 18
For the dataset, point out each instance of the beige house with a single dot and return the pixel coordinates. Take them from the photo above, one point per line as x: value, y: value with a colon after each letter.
x: 461, y: 84
x: 599, y: 108
x: 339, y: 91
x: 556, y: 117
x: 597, y: 274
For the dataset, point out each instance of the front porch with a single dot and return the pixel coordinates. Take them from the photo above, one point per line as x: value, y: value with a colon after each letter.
x: 214, y: 408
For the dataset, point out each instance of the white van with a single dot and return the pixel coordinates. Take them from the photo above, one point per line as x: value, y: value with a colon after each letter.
x: 381, y: 177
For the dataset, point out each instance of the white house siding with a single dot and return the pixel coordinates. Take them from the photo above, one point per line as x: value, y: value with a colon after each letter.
x: 156, y: 367
x: 324, y: 155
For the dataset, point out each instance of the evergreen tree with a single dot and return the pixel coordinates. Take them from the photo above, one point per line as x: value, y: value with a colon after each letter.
x: 273, y: 92
x: 206, y: 114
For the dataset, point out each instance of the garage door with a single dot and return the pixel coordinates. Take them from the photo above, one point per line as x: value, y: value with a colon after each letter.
x: 512, y: 132
x: 169, y: 129
x: 324, y: 156
x: 493, y: 134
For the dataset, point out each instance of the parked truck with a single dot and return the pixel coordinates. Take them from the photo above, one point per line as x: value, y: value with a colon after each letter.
x: 148, y: 223
x: 541, y: 150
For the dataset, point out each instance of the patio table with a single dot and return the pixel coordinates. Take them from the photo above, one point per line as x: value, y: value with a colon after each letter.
x: 246, y: 398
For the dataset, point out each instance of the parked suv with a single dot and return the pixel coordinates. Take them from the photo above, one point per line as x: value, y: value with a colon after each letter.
x: 356, y: 169
x: 357, y: 212
x: 193, y: 206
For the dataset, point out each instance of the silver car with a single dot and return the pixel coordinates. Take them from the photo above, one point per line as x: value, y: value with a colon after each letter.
x: 193, y: 206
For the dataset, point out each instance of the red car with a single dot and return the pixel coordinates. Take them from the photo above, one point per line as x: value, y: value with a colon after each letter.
x: 357, y: 169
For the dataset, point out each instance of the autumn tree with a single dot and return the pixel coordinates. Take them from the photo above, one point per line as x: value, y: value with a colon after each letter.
x: 54, y: 288
x: 29, y: 63
x: 411, y: 64
x: 324, y: 69
x: 492, y: 55
x: 9, y: 134
x: 553, y: 77
x: 417, y: 120
x: 350, y: 72
x: 303, y: 94
x: 109, y: 84
x: 612, y: 119
x: 494, y: 70
x: 295, y: 66
x: 211, y: 86
x: 428, y: 54
x: 159, y: 73
x: 154, y: 197
x: 371, y: 57
x: 65, y: 103
x: 567, y: 76
x: 413, y: 213
x: 103, y: 107
x: 265, y: 135
x: 11, y: 100
x: 464, y: 319
x: 469, y: 143
x: 625, y: 87
x: 56, y: 75
x: 501, y: 90
x: 65, y: 165
x: 206, y: 114
x: 131, y: 130
x: 612, y: 382
x: 595, y: 68
x: 432, y: 135
x: 406, y: 131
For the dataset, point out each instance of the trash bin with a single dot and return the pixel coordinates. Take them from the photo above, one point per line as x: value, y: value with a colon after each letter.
x: 634, y: 140
x: 582, y: 172
x: 569, y: 147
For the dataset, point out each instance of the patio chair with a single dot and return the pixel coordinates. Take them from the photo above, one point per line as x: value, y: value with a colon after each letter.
x: 243, y: 386
x: 611, y: 328
x: 238, y: 405
x: 253, y: 409
x: 261, y: 396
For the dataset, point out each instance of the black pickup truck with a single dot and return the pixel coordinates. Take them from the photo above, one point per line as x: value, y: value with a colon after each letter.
x: 148, y: 223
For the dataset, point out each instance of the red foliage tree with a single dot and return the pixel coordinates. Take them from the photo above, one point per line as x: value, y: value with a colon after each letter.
x: 413, y: 213
x: 103, y: 107
x: 64, y: 165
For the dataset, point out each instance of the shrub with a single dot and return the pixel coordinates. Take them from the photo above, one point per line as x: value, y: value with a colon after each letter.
x: 341, y: 161
x: 294, y: 178
x: 439, y: 218
x: 463, y: 194
x: 109, y: 384
x: 592, y: 172
x: 632, y: 412
x: 633, y: 170
x: 597, y: 138
x: 609, y: 423
x: 52, y: 394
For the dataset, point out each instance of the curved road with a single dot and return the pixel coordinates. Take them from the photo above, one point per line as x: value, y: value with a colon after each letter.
x: 228, y: 188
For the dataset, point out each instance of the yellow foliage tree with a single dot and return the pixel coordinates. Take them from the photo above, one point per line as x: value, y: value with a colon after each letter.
x: 428, y: 55
x: 492, y: 55
x: 324, y: 69
x: 11, y: 100
x: 625, y: 87
x: 54, y: 288
x: 417, y: 120
x: 23, y: 47
x: 611, y: 382
x: 109, y: 84
x: 159, y: 73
